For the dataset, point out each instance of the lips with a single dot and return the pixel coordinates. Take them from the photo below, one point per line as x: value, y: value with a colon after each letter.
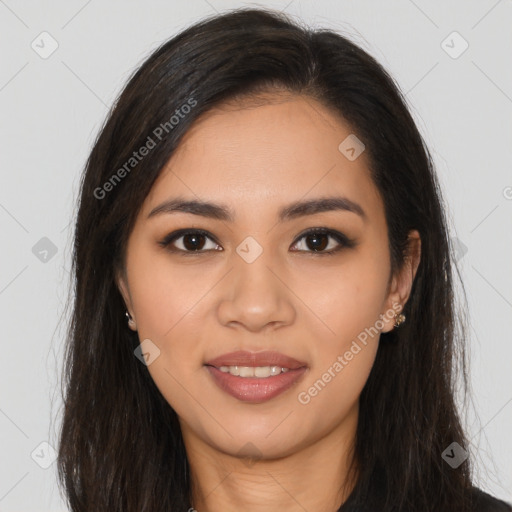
x: 244, y: 358
x: 255, y: 389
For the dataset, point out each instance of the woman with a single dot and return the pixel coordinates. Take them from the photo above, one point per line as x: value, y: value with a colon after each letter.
x: 264, y: 315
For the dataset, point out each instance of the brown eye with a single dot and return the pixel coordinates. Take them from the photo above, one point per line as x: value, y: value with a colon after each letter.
x: 193, y: 241
x: 188, y: 241
x: 316, y: 240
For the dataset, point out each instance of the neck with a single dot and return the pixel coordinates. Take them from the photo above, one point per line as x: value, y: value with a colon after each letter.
x: 316, y: 477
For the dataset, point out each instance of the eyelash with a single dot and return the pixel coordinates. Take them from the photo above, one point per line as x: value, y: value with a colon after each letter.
x: 342, y: 239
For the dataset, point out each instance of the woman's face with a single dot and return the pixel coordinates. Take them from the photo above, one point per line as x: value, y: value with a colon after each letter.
x: 255, y: 283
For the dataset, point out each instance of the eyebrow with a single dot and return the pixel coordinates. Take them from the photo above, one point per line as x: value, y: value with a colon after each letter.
x: 289, y: 212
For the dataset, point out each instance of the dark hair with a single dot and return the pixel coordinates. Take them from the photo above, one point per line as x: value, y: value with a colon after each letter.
x: 120, y: 442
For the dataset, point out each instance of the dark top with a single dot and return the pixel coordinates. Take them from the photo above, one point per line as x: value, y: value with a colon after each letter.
x: 483, y: 502
x: 486, y: 503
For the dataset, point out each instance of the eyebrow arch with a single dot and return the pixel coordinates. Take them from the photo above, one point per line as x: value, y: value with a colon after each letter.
x: 289, y: 212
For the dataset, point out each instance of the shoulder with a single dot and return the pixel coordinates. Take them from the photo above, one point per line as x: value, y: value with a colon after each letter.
x: 483, y: 502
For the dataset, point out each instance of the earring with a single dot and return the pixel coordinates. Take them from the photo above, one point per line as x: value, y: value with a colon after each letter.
x: 399, y: 319
x: 131, y: 322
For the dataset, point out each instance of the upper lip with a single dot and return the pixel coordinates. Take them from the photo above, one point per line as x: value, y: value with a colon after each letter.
x: 245, y: 358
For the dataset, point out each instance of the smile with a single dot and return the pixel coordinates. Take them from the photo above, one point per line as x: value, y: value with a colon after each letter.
x: 254, y: 371
x: 255, y: 377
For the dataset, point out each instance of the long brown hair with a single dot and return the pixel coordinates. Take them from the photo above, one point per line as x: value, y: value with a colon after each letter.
x: 120, y: 443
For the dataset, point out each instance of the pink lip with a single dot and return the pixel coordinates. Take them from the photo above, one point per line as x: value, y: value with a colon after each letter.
x: 255, y: 389
x: 244, y: 358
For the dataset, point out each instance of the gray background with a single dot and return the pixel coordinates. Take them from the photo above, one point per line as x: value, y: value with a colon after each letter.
x: 52, y: 108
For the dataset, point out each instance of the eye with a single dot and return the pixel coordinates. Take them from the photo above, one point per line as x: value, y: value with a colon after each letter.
x: 317, y: 240
x: 190, y: 242
x: 193, y: 241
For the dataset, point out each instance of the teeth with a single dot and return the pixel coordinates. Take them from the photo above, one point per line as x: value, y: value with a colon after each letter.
x: 262, y: 371
x: 254, y: 371
x: 246, y: 371
x: 231, y: 369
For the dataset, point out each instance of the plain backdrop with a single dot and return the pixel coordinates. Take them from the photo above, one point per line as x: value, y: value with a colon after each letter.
x: 458, y: 86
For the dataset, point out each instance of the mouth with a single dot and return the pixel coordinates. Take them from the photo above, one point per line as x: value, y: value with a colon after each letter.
x: 255, y: 377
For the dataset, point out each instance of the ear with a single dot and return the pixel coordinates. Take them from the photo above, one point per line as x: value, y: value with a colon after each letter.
x: 402, y: 281
x: 122, y: 284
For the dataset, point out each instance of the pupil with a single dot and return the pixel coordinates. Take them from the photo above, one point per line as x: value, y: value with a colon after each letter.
x: 193, y: 246
x: 316, y: 244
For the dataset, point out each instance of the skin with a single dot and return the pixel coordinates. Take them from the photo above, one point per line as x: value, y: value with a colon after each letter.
x: 256, y: 159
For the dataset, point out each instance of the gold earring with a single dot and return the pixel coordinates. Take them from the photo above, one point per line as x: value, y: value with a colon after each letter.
x: 399, y: 319
x: 131, y: 322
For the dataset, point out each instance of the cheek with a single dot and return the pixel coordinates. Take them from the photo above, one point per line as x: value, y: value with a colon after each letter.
x: 165, y: 295
x: 330, y: 396
x: 170, y: 302
x: 345, y: 300
x: 350, y: 306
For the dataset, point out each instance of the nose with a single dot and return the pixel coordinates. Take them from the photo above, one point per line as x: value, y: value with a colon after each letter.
x: 255, y: 296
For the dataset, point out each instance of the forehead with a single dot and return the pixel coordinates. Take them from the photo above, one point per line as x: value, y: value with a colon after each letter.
x: 264, y: 150
x: 285, y: 127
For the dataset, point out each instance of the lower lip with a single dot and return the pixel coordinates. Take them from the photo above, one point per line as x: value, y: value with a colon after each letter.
x: 255, y: 389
